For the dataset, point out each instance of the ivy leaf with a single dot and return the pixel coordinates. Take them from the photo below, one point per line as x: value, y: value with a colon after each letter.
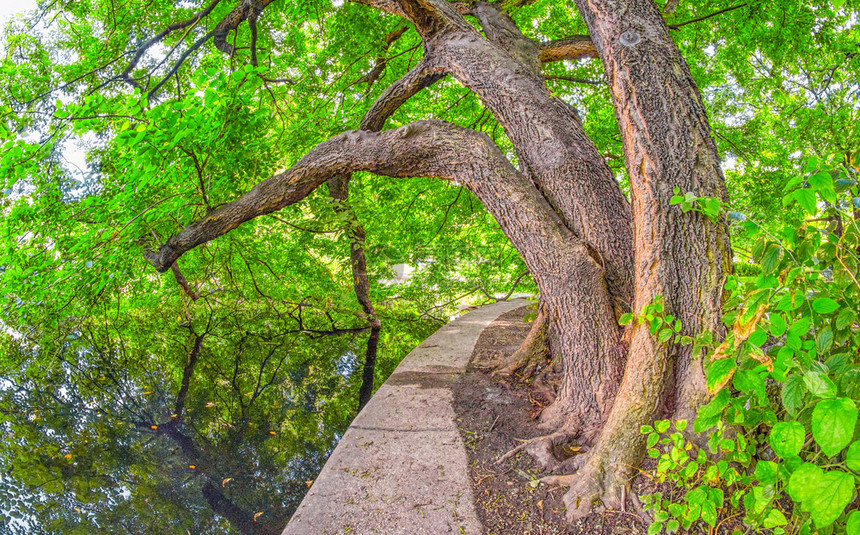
x: 833, y: 423
x: 786, y: 438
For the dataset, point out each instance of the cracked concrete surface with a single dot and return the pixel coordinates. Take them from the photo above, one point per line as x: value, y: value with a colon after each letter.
x: 401, y: 467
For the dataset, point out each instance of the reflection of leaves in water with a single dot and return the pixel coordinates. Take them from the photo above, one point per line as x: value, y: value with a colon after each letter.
x: 154, y: 429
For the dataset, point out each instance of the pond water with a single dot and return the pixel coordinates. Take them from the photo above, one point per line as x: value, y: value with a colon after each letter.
x: 181, y: 430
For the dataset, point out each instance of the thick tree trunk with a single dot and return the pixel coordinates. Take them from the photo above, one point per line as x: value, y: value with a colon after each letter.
x: 565, y: 166
x: 682, y: 257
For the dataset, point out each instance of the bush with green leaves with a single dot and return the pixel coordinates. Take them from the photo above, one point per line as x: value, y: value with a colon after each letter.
x: 786, y: 378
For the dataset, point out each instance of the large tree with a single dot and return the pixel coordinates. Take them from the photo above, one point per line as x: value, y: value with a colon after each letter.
x: 593, y: 254
x: 595, y: 251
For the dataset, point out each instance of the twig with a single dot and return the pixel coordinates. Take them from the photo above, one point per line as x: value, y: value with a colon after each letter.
x: 676, y: 26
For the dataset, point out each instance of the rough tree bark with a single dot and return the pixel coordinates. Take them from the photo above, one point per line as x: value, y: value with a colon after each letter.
x: 593, y: 254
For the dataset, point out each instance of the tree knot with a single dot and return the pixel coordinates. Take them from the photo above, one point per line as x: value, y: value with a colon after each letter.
x: 630, y: 38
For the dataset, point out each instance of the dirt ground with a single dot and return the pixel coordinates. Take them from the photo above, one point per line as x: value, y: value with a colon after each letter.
x: 494, y: 416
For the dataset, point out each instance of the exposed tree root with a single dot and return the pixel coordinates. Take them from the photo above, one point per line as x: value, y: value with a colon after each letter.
x: 549, y: 451
x: 595, y: 483
x: 531, y: 353
x: 574, y: 421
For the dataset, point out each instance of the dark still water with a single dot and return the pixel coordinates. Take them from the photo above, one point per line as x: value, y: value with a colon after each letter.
x: 163, y: 427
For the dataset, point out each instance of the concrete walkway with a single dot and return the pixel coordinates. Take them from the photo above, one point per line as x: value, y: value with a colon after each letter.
x: 401, y: 467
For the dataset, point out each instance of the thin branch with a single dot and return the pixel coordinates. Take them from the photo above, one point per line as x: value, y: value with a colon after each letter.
x: 161, y: 35
x: 571, y: 79
x: 514, y: 287
x: 197, y: 44
x: 183, y: 282
x: 187, y: 372
x: 706, y: 17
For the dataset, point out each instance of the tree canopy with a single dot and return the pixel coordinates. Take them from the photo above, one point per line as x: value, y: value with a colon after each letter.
x: 213, y: 135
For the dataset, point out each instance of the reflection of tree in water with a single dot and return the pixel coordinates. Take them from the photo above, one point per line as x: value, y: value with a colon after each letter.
x: 151, y: 425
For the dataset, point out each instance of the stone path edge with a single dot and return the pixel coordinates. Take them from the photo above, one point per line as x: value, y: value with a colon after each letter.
x: 401, y: 467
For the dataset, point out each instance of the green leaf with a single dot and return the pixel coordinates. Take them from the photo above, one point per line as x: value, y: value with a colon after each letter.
x: 786, y: 438
x: 822, y: 494
x: 833, y: 423
x: 766, y: 472
x: 665, y: 335
x: 758, y: 337
x: 710, y: 414
x: 751, y: 381
x: 824, y: 305
x: 824, y: 340
x: 652, y: 440
x: 845, y: 318
x: 852, y: 527
x: 819, y: 384
x: 822, y: 183
x: 789, y: 301
x: 719, y: 373
x: 771, y: 258
x: 777, y: 325
x: 806, y: 199
x: 774, y: 518
x: 801, y: 326
x: 625, y: 319
x: 852, y: 457
x: 709, y: 513
x: 792, y: 394
x: 673, y: 525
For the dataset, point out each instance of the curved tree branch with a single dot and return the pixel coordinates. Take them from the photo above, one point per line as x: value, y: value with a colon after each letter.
x: 389, y: 6
x: 500, y: 29
x: 423, y: 75
x: 382, y: 60
x: 573, y: 47
x: 246, y: 10
x: 423, y: 148
x: 393, y: 7
x: 395, y: 153
x: 126, y: 73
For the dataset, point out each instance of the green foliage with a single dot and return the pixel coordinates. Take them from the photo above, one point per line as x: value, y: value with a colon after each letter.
x: 697, y: 479
x: 786, y: 377
x: 96, y: 343
x: 664, y: 326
